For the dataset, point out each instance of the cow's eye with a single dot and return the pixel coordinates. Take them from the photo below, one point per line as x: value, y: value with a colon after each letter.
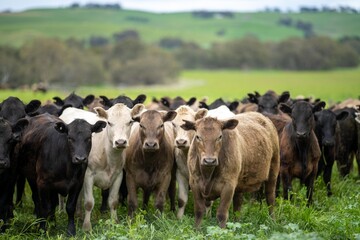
x: 141, y: 126
x: 174, y: 125
x: 131, y: 122
x: 219, y: 138
x: 161, y: 126
x: 198, y: 138
x: 110, y: 124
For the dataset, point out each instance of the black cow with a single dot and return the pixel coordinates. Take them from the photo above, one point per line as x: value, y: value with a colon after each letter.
x: 220, y: 102
x: 122, y: 99
x: 269, y: 102
x: 9, y: 135
x: 173, y: 104
x: 348, y: 146
x: 12, y: 109
x: 327, y: 131
x: 74, y: 100
x: 299, y: 148
x: 53, y: 156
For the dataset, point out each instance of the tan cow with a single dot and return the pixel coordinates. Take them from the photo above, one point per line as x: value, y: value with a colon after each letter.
x: 150, y: 158
x: 230, y: 157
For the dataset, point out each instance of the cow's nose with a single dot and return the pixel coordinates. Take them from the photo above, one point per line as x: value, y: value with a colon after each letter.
x: 301, y: 134
x: 181, y: 142
x: 80, y: 159
x: 4, y: 164
x: 210, y: 161
x: 121, y: 143
x: 150, y: 144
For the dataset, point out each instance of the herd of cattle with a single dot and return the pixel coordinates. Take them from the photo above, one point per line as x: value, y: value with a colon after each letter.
x: 218, y: 150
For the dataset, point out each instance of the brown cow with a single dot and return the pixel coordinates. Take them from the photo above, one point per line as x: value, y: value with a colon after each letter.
x: 150, y: 159
x: 230, y: 157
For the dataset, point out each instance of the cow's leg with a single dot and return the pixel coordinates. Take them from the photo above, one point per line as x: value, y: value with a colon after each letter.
x: 104, y: 200
x: 287, y: 186
x: 3, y: 206
x: 226, y: 197
x: 114, y: 196
x: 20, y: 186
x: 54, y: 198
x: 237, y: 202
x: 330, y: 158
x: 123, y: 192
x: 199, y: 206
x: 88, y: 201
x: 183, y: 193
x: 146, y: 198
x: 161, y: 193
x: 71, y: 207
x: 45, y: 206
x: 309, y: 183
x: 172, y: 189
x: 132, y: 196
x: 35, y: 197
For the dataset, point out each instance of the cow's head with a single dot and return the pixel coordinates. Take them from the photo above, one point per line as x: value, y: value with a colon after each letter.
x: 326, y: 125
x: 208, y: 138
x: 120, y: 119
x: 183, y: 138
x: 9, y: 135
x: 269, y: 102
x: 302, y: 114
x: 79, y: 134
x: 74, y: 100
x: 152, y: 130
x: 12, y: 109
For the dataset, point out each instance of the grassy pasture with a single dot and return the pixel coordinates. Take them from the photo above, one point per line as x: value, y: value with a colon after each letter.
x: 337, y: 217
x: 330, y: 86
x: 17, y: 28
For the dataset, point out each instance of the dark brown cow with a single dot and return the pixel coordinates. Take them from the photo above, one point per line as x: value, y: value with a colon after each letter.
x: 230, y: 157
x: 299, y: 147
x: 54, y: 159
x: 150, y: 159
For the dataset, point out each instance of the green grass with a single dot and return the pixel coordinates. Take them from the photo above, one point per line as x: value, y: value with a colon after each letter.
x: 336, y: 217
x: 330, y: 86
x: 17, y: 28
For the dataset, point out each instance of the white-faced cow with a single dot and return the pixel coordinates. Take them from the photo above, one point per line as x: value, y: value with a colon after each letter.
x: 107, y: 157
x: 150, y: 159
x: 230, y: 157
x: 300, y: 151
x: 54, y: 158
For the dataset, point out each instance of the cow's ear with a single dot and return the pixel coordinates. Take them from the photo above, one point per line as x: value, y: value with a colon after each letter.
x: 342, y: 115
x: 233, y: 106
x: 203, y: 105
x: 58, y: 101
x: 88, y: 99
x: 201, y: 113
x: 319, y: 106
x: 98, y: 126
x: 169, y: 116
x: 137, y: 110
x: 252, y: 98
x: 32, y: 106
x: 139, y: 99
x: 61, y: 127
x: 19, y: 126
x: 105, y: 101
x: 165, y: 102
x: 284, y: 97
x: 188, y: 125
x: 285, y: 108
x: 101, y: 112
x: 191, y: 101
x: 229, y: 124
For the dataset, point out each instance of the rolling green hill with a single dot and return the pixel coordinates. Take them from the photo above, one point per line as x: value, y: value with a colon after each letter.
x: 17, y: 28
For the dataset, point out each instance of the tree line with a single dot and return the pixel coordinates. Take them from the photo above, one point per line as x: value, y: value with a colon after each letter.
x: 126, y: 60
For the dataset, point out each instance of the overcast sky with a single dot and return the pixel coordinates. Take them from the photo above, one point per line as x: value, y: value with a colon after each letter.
x: 183, y: 5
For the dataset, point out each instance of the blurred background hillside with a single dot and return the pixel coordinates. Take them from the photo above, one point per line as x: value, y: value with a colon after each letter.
x: 107, y: 44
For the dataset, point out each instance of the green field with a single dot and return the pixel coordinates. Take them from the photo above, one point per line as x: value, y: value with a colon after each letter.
x: 331, y: 86
x: 17, y: 28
